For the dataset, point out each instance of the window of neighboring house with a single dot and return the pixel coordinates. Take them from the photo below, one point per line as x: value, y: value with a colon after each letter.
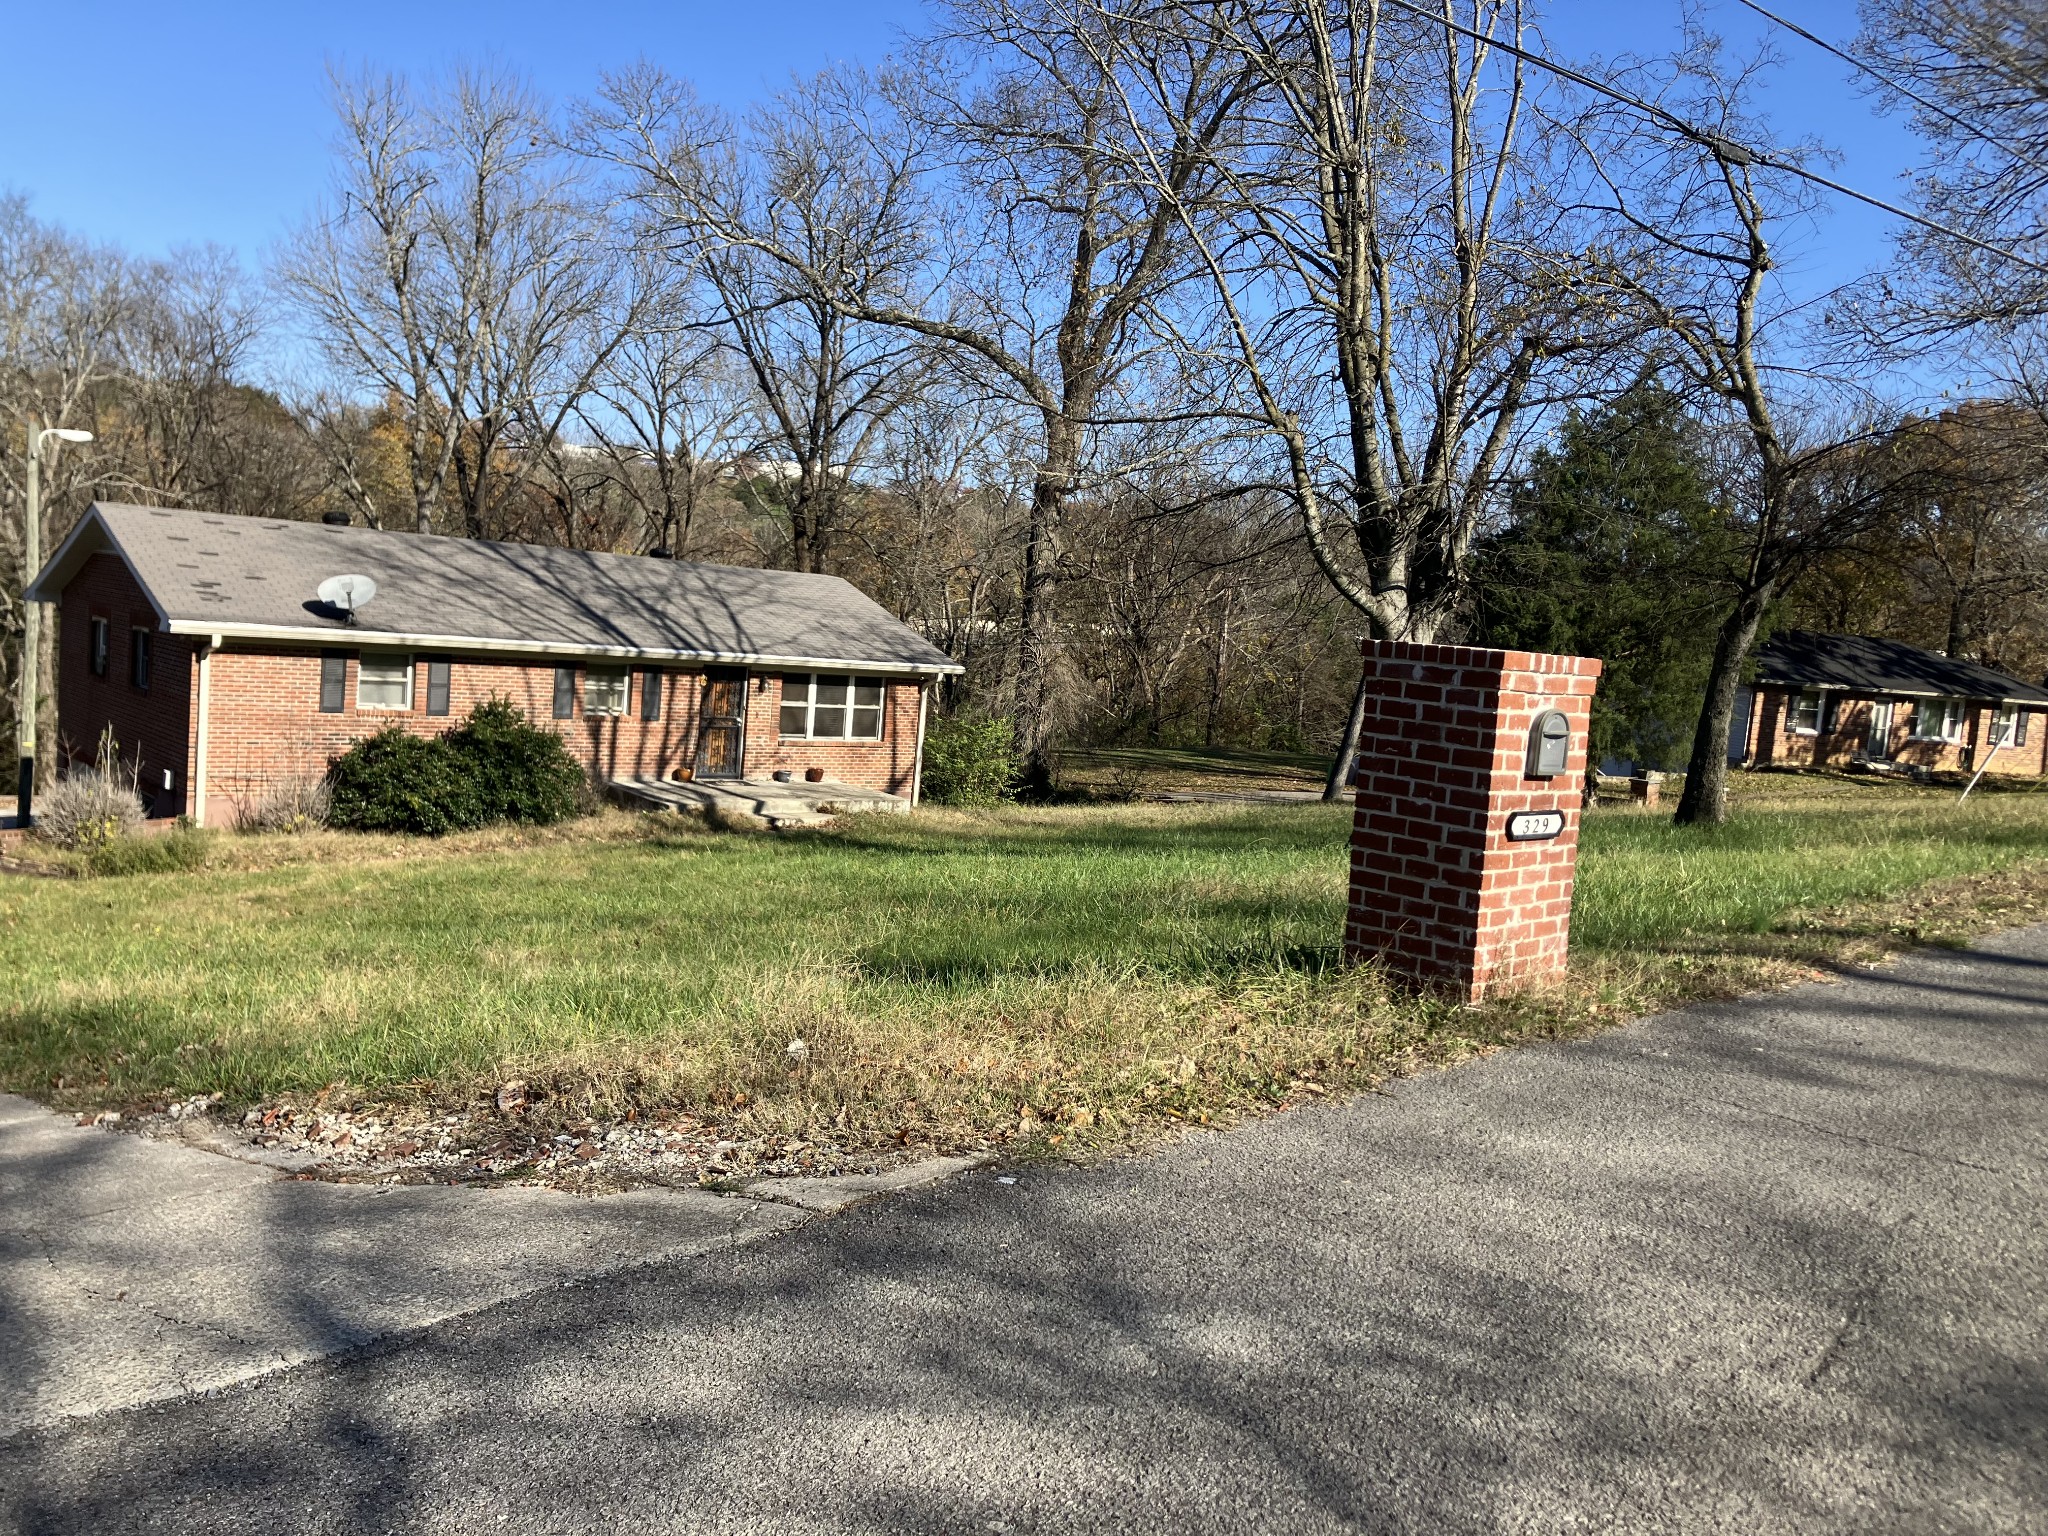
x: 384, y: 682
x: 604, y: 691
x: 333, y: 682
x: 650, y: 695
x: 97, y: 646
x: 817, y: 707
x: 2009, y: 726
x: 1938, y: 720
x: 138, y: 658
x: 1806, y: 708
x: 437, y: 687
x: 565, y: 692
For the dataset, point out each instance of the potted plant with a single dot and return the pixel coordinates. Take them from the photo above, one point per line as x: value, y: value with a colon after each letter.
x: 814, y: 775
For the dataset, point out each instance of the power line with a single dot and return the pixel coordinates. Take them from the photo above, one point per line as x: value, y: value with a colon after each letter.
x: 1892, y: 85
x: 1723, y: 146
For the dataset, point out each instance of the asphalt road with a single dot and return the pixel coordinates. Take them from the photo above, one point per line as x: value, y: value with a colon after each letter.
x: 1773, y: 1266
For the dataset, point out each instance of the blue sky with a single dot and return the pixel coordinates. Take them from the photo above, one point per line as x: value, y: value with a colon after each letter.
x: 153, y: 125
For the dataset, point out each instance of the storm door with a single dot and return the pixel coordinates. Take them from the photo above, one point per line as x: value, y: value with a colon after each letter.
x: 722, y: 725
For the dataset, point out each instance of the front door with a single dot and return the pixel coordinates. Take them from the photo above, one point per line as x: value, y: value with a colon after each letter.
x: 722, y: 728
x: 1878, y: 745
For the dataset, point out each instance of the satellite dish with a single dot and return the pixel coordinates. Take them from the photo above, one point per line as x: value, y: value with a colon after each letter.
x: 347, y: 593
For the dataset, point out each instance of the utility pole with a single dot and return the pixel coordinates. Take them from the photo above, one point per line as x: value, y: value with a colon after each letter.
x: 32, y: 616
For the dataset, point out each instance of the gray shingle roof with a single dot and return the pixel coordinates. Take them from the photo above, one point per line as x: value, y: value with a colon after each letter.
x: 1859, y: 664
x: 255, y: 577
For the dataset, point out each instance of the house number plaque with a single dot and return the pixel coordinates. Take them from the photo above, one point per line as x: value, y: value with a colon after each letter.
x: 1534, y: 826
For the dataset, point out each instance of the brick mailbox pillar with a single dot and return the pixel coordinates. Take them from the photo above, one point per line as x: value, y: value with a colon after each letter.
x: 1467, y: 824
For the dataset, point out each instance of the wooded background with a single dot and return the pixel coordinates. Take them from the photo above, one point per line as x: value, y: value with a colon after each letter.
x: 1145, y: 357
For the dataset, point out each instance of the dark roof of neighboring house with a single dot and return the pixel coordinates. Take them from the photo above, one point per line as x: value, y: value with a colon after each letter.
x: 1799, y: 658
x: 255, y: 578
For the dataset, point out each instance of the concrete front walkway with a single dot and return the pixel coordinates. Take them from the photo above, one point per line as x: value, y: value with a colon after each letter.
x: 1776, y: 1266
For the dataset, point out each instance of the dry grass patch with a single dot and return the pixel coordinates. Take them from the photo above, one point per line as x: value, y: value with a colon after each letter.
x: 1057, y: 980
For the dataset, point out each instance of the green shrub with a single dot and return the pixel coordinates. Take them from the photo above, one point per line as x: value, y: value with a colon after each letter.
x: 520, y: 772
x: 495, y: 766
x: 180, y: 849
x: 395, y: 781
x: 969, y: 761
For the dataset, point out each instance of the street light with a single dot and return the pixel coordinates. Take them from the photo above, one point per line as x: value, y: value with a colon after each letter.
x: 32, y: 614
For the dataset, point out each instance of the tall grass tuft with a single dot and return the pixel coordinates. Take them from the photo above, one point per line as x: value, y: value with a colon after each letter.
x: 93, y: 808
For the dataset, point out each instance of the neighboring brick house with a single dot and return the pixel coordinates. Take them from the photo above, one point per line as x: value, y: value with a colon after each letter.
x: 200, y: 642
x: 1848, y: 700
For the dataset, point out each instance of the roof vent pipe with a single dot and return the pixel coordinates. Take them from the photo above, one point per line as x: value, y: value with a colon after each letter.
x: 661, y: 552
x: 335, y: 519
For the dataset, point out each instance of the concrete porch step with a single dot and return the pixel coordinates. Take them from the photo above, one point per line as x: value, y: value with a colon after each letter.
x: 795, y: 804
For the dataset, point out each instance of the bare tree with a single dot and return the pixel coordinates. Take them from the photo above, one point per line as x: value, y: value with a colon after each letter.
x: 455, y: 273
x: 1969, y: 533
x: 1973, y: 75
x: 1390, y: 270
x: 62, y: 307
x: 669, y: 406
x: 729, y: 201
x: 1051, y: 258
x: 1807, y: 466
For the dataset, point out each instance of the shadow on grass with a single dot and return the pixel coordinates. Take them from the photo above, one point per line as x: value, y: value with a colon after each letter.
x: 1518, y: 1296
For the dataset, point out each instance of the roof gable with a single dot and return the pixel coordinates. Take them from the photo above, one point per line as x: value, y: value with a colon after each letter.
x: 256, y: 578
x: 1863, y: 664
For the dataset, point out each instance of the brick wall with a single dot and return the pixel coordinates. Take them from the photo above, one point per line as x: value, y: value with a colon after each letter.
x: 1779, y: 745
x: 265, y: 722
x: 1438, y: 892
x: 888, y: 764
x: 149, y: 726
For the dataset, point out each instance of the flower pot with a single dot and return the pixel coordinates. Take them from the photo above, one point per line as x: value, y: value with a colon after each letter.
x: 814, y: 775
x: 684, y: 775
x: 783, y: 775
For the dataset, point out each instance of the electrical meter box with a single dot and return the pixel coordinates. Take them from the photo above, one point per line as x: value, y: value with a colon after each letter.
x: 1550, y: 745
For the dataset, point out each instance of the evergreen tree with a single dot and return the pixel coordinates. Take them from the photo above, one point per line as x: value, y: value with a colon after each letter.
x: 1605, y: 552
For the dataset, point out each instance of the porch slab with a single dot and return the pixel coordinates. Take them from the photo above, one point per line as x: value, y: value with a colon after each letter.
x: 794, y: 804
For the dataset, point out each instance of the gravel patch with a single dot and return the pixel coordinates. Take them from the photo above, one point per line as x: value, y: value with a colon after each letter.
x: 500, y: 1141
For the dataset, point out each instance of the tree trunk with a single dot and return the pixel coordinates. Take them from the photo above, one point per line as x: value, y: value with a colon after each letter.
x: 1036, y: 646
x: 1034, y: 656
x: 1346, y: 762
x: 1216, y: 677
x: 1705, y: 801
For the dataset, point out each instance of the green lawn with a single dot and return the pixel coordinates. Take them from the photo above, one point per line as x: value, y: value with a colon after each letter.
x: 1141, y: 771
x: 948, y: 970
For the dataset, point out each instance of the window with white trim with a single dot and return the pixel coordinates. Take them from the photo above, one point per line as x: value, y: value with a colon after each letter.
x: 604, y: 691
x: 821, y: 707
x: 1806, y: 708
x: 1938, y: 720
x: 383, y: 682
x: 2009, y: 726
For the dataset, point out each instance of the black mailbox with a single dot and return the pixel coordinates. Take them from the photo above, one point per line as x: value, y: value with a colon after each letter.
x: 1550, y: 745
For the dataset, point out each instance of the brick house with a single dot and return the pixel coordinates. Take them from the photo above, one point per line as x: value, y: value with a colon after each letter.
x: 1848, y: 700
x: 200, y: 641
